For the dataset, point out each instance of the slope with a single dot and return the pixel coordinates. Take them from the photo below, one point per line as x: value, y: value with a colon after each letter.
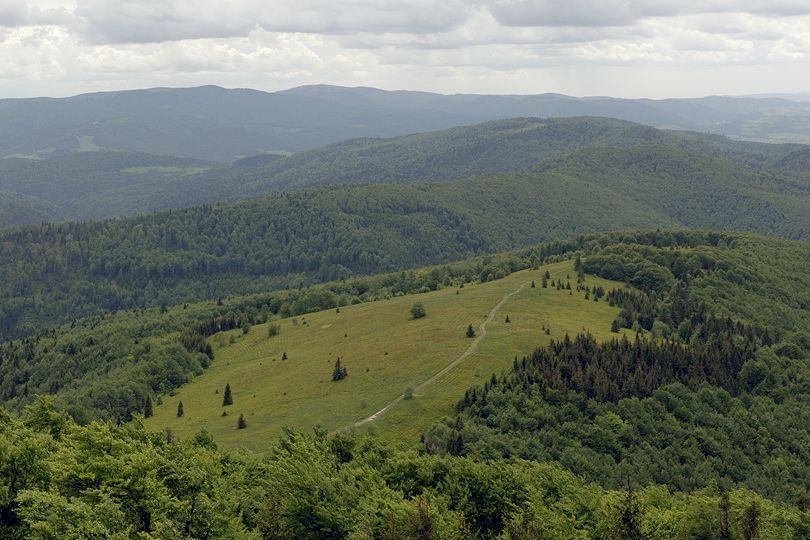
x: 385, y: 352
x: 18, y: 210
x: 98, y: 184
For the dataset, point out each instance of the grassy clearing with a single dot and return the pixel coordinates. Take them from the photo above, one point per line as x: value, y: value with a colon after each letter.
x: 385, y: 353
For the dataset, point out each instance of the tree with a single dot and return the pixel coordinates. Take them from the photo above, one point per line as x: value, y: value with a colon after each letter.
x: 227, y: 399
x: 547, y: 275
x: 241, y: 423
x: 532, y: 286
x: 245, y: 326
x: 628, y: 518
x: 284, y: 356
x: 725, y: 506
x: 750, y: 521
x: 614, y: 326
x: 545, y: 283
x: 470, y: 331
x: 147, y: 408
x: 507, y: 319
x: 180, y: 409
x: 273, y: 329
x: 339, y: 373
x: 578, y: 264
x: 418, y: 311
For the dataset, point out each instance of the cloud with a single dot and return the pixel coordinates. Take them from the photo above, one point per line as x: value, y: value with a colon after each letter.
x: 13, y: 13
x: 583, y: 13
x: 136, y: 21
x: 576, y: 46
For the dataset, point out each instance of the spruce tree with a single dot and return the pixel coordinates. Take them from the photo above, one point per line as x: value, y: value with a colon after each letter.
x: 725, y: 506
x: 532, y: 286
x: 227, y: 399
x: 614, y: 326
x: 750, y: 521
x: 507, y: 319
x: 470, y: 331
x: 284, y: 356
x: 241, y: 423
x: 545, y: 283
x: 339, y: 373
x: 628, y: 522
x: 180, y: 409
x: 147, y: 408
x: 547, y: 275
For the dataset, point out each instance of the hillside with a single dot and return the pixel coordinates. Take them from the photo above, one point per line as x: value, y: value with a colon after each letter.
x: 220, y: 124
x: 706, y: 398
x: 644, y: 178
x: 699, y: 400
x: 99, y: 184
x: 384, y: 351
x: 18, y: 209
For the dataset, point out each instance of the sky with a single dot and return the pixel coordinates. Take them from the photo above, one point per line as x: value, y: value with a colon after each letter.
x: 623, y: 48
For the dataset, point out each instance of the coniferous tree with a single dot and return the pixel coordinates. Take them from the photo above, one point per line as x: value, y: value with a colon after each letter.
x: 628, y: 520
x: 545, y: 283
x: 339, y: 373
x: 750, y: 521
x: 470, y: 331
x: 614, y: 326
x: 180, y: 409
x: 532, y: 286
x: 227, y: 399
x: 241, y: 423
x: 725, y: 506
x: 547, y: 275
x: 147, y: 408
x: 284, y: 356
x: 507, y: 318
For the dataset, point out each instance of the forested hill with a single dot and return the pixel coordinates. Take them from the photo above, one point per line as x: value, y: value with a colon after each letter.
x: 514, y: 145
x: 327, y: 233
x: 16, y: 209
x: 223, y: 124
x: 98, y: 184
x: 711, y: 389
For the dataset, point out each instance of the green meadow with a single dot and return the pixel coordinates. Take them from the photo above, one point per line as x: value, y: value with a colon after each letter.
x: 386, y: 353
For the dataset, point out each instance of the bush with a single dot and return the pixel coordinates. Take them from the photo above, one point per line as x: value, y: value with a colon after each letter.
x: 418, y: 311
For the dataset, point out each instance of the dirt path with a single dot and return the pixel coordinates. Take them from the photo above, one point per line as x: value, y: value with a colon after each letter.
x: 481, y: 334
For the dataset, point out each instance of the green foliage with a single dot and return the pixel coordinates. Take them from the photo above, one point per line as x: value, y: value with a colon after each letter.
x: 470, y: 331
x: 122, y: 481
x: 339, y: 372
x: 418, y: 311
x: 227, y: 397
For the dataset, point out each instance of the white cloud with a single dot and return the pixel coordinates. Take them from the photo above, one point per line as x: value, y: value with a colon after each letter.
x: 61, y: 47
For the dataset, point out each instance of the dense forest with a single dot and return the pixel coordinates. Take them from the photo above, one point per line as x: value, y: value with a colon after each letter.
x: 61, y: 480
x: 711, y: 390
x: 693, y: 428
x: 112, y: 366
x: 328, y: 233
x: 614, y: 158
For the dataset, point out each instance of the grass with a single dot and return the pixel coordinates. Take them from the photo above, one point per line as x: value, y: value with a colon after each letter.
x: 385, y: 353
x: 86, y: 144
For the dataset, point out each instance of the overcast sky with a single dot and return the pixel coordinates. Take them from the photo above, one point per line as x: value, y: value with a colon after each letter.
x: 628, y: 48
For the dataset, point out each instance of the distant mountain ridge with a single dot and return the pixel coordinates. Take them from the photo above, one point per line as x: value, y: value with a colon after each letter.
x: 100, y: 184
x: 221, y: 124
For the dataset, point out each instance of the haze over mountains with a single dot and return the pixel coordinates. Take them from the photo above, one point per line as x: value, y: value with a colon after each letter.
x: 220, y: 124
